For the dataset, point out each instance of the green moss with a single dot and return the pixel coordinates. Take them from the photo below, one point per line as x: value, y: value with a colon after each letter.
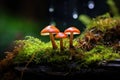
x: 43, y: 51
x: 102, y: 22
x: 30, y: 46
x: 100, y: 53
x: 51, y: 56
x: 45, y: 54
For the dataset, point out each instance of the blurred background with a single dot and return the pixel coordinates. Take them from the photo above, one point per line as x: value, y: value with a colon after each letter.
x: 20, y: 18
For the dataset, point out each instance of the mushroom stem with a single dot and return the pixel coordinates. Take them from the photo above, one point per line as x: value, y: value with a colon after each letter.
x: 71, y: 40
x: 61, y: 45
x: 53, y: 41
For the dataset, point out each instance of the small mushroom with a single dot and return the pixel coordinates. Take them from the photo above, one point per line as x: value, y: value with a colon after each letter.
x: 50, y: 30
x: 71, y: 31
x: 60, y: 36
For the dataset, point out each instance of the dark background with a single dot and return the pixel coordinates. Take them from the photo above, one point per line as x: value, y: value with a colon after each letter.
x: 38, y: 10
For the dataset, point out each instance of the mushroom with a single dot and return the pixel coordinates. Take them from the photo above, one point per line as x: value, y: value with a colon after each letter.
x: 50, y: 30
x: 60, y: 36
x: 71, y: 31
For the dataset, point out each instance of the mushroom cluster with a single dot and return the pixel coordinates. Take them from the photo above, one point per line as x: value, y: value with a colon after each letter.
x: 51, y: 30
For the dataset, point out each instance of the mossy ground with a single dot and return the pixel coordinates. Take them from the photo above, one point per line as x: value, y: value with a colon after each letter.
x: 99, y: 42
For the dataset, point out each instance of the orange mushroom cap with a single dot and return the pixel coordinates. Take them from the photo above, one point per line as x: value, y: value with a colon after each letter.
x: 60, y: 35
x: 49, y: 29
x: 74, y: 30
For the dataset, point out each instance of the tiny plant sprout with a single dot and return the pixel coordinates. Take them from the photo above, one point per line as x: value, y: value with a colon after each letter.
x: 50, y: 30
x: 60, y: 36
x: 71, y: 31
